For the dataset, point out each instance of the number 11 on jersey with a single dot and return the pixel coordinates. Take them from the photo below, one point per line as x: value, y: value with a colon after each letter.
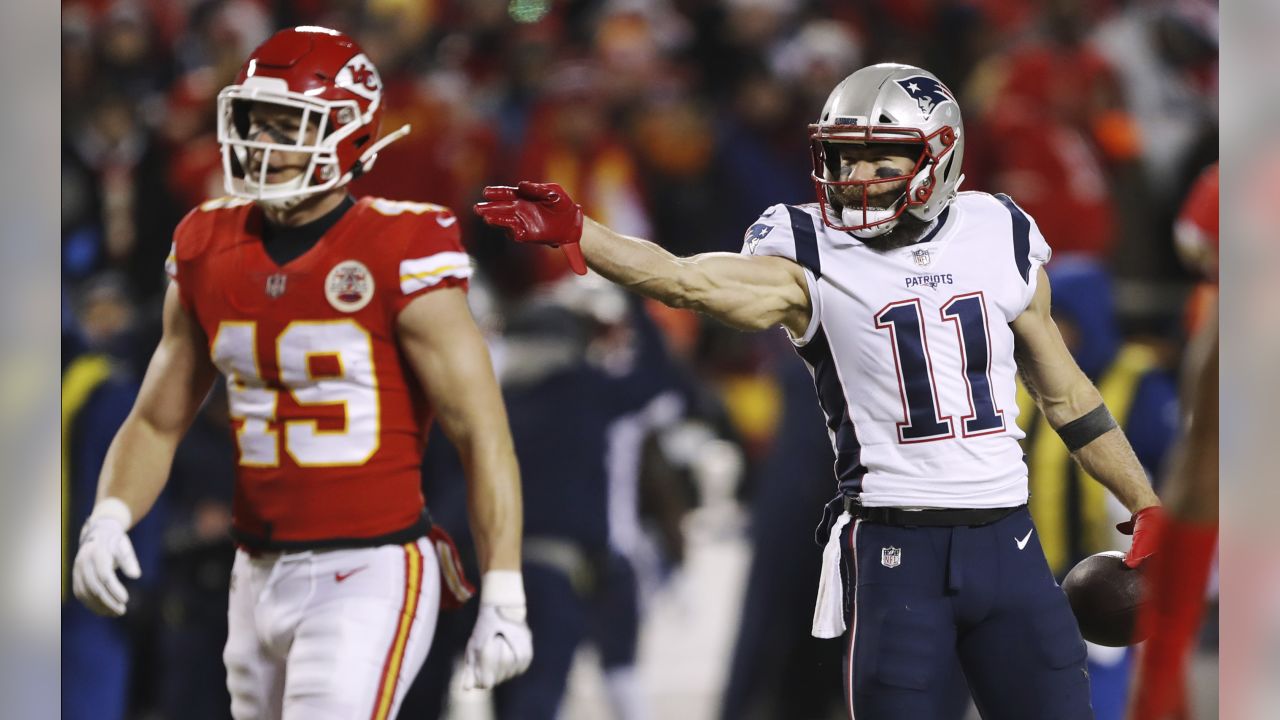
x: 924, y: 420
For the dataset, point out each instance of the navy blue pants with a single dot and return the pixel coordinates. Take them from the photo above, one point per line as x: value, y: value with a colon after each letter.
x: 925, y: 596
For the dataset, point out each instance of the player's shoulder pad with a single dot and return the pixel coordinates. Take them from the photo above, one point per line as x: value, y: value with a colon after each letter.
x: 1028, y: 247
x: 200, y: 226
x: 789, y: 231
x: 420, y: 224
x: 425, y: 239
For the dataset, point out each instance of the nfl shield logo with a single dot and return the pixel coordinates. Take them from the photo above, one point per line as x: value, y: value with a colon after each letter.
x: 891, y: 557
x: 921, y: 257
x: 276, y: 285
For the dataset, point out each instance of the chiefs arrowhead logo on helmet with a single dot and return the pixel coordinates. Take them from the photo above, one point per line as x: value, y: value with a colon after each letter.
x: 360, y: 77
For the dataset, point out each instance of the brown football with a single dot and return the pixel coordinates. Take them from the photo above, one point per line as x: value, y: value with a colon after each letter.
x: 1105, y: 596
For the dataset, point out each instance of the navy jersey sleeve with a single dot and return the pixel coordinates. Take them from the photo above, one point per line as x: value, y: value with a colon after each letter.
x: 1030, y: 250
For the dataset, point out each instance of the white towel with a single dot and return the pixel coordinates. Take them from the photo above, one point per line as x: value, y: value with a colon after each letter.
x: 828, y: 612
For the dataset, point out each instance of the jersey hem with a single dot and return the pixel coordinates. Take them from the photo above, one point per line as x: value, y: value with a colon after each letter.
x: 258, y: 544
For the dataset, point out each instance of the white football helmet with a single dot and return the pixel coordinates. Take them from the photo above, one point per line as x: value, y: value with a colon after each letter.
x: 889, y: 103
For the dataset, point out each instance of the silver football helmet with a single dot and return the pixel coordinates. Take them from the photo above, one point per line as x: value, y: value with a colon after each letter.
x: 888, y: 103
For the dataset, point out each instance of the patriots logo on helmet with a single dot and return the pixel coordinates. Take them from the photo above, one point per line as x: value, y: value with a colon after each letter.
x: 756, y: 233
x: 929, y: 93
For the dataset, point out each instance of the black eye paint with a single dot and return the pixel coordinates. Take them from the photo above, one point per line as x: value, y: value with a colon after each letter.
x: 889, y: 172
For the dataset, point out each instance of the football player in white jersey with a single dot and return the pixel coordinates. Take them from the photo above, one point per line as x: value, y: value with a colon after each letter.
x: 909, y: 301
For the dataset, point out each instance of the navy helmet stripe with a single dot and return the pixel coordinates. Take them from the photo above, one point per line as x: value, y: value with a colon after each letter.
x: 849, y: 467
x: 806, y: 240
x: 1021, y: 236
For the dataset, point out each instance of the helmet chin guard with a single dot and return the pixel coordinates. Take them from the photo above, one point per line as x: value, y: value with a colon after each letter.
x: 323, y: 76
x: 895, y: 104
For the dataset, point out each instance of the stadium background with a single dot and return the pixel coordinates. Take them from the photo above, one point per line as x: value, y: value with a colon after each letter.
x: 677, y: 121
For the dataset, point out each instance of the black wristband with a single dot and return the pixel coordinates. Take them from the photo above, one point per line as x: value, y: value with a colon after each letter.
x: 1086, y: 428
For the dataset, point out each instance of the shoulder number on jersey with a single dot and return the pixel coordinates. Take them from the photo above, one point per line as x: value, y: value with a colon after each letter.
x: 299, y: 349
x: 924, y: 422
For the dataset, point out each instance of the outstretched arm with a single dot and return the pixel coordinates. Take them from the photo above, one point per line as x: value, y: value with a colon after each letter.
x: 746, y: 292
x: 1074, y: 407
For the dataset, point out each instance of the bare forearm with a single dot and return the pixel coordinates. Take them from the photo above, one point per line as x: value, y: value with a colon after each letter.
x: 1111, y: 460
x: 137, y: 465
x: 748, y: 293
x: 494, y: 502
x: 637, y: 264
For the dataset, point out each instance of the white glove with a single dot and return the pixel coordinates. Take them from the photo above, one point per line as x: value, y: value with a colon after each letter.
x: 105, y: 546
x: 501, y: 645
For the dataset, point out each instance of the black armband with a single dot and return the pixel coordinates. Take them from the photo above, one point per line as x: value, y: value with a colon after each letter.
x: 1086, y: 428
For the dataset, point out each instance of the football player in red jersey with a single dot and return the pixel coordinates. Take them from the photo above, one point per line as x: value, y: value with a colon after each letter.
x: 341, y: 328
x: 1177, y: 579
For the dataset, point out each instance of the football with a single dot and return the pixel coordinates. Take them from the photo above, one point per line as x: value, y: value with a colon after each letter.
x: 1105, y: 596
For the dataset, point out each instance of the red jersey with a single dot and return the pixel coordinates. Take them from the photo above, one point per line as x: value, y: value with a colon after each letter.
x: 1196, y: 229
x: 329, y: 421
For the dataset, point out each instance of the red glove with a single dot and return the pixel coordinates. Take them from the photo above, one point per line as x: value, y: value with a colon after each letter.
x: 1145, y: 527
x: 540, y: 213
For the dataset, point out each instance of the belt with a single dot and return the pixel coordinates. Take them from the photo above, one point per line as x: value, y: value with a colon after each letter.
x: 943, y: 517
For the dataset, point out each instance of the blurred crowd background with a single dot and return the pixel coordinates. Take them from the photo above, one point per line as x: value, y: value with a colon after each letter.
x: 674, y: 120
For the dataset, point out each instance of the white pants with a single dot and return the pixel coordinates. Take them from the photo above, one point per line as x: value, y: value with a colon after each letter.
x: 329, y: 634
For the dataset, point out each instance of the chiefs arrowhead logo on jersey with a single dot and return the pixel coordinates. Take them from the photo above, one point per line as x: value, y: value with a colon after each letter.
x: 360, y: 77
x: 349, y: 286
x: 929, y: 93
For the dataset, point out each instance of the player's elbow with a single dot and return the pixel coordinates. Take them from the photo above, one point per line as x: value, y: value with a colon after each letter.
x: 1073, y: 402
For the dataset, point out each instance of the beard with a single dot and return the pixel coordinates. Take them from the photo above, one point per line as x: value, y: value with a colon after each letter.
x: 908, y: 231
x: 850, y: 196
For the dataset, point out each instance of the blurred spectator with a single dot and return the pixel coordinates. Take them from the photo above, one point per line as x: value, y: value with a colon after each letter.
x: 581, y: 354
x: 98, y: 389
x: 198, y: 558
x: 1165, y: 54
x: 220, y: 33
x: 1052, y: 131
x: 450, y: 150
x: 570, y: 138
x: 130, y: 57
x: 190, y: 133
x: 761, y: 154
x: 119, y: 212
x: 586, y: 354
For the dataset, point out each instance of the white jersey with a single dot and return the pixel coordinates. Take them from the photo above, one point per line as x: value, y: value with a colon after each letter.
x: 911, y: 350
